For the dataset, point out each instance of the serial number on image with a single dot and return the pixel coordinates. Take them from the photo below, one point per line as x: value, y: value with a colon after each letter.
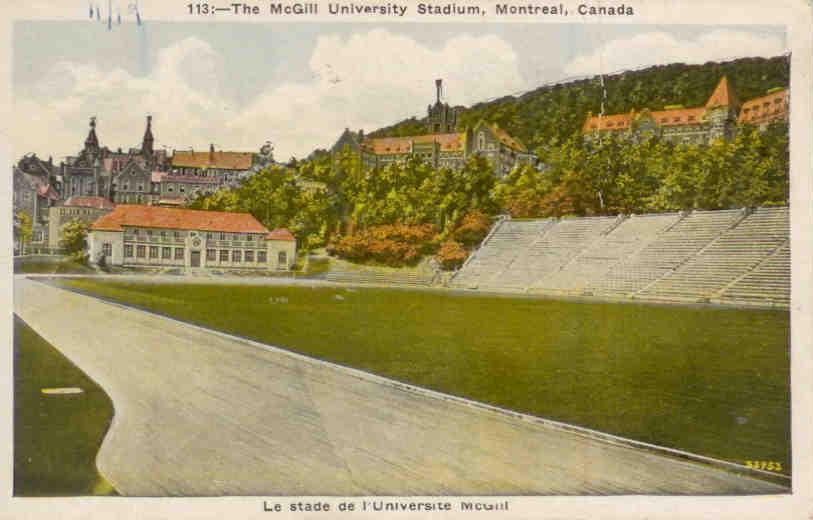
x: 764, y: 464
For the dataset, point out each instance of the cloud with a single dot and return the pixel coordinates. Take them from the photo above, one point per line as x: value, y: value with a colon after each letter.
x: 375, y: 79
x: 655, y: 48
x: 181, y: 93
x: 365, y: 81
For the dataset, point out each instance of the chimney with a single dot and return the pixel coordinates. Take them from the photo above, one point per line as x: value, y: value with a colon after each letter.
x: 438, y: 86
x: 212, y: 153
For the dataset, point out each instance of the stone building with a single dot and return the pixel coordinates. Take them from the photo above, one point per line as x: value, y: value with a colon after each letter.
x: 444, y: 147
x: 97, y: 171
x: 159, y: 237
x: 764, y: 110
x: 717, y: 119
x: 75, y: 209
x: 35, y: 188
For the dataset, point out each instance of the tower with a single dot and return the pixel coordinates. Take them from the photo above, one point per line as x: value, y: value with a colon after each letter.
x: 92, y: 142
x: 441, y: 118
x: 721, y: 111
x: 147, y: 142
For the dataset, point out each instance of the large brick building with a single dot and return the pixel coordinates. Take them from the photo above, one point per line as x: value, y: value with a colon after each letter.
x: 159, y: 237
x: 442, y: 146
x: 719, y: 118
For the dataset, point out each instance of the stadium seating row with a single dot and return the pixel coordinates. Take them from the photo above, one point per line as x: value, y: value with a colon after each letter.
x: 737, y: 256
x: 370, y: 277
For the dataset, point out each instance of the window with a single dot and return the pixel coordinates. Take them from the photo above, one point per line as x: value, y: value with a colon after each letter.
x: 178, y: 253
x: 249, y: 256
x: 140, y: 187
x: 126, y: 186
x: 481, y: 140
x: 211, y: 255
x: 128, y: 251
x: 141, y: 251
x: 224, y: 255
x: 210, y: 235
x: 249, y: 237
x: 236, y: 256
x: 177, y: 234
x: 181, y: 189
x: 282, y: 260
x: 153, y: 251
x: 222, y: 236
x: 169, y: 188
x: 107, y: 249
x: 166, y: 252
x: 149, y: 232
x: 262, y: 257
x: 163, y: 234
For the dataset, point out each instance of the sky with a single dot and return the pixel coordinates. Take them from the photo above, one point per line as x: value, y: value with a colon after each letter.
x: 300, y: 84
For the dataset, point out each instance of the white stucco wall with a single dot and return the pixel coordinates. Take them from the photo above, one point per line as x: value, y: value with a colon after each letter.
x: 116, y: 240
x: 275, y: 247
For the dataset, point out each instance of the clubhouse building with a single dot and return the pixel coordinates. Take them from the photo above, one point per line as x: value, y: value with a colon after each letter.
x: 156, y: 237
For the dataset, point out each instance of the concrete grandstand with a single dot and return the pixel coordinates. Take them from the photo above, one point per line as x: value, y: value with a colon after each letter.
x: 738, y: 256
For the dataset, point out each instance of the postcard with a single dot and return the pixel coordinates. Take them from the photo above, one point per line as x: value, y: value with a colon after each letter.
x: 366, y: 259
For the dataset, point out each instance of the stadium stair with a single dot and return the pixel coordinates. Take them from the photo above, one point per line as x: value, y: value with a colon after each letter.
x: 738, y: 256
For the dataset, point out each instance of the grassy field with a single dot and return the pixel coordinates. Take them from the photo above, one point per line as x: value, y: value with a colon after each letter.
x: 713, y: 381
x: 56, y: 437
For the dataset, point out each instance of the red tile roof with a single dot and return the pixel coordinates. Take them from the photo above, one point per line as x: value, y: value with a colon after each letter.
x: 397, y: 145
x: 222, y: 160
x: 678, y: 116
x: 172, y: 218
x: 755, y: 111
x: 723, y: 95
x: 280, y: 234
x: 608, y: 122
x: 89, y: 202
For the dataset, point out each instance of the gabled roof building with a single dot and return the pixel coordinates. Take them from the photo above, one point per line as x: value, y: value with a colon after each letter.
x: 717, y: 119
x: 443, y: 145
x: 160, y: 237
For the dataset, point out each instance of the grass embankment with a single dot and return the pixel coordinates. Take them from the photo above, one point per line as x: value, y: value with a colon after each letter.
x: 56, y: 437
x: 27, y: 266
x: 713, y: 381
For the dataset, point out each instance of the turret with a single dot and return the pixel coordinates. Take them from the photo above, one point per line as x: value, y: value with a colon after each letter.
x: 147, y: 142
x: 92, y: 142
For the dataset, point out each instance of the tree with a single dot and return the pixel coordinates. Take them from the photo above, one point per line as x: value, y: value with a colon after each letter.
x: 74, y: 239
x: 25, y: 229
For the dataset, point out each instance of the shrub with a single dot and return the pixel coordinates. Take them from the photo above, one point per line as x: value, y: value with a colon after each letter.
x: 451, y: 255
x: 392, y: 245
x: 473, y: 228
